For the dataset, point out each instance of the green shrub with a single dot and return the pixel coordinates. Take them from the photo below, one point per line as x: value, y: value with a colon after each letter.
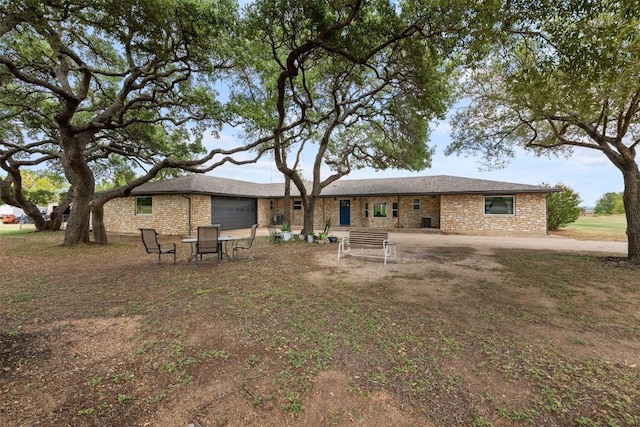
x: 563, y: 207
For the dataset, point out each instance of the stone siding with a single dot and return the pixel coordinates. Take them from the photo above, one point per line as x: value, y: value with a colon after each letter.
x: 326, y: 207
x: 170, y: 214
x: 450, y: 213
x: 465, y: 214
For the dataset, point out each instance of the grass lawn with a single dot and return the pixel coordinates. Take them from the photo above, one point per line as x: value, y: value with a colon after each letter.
x: 597, y: 227
x: 443, y: 336
x: 7, y: 229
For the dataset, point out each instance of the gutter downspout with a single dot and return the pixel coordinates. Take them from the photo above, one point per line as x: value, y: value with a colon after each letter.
x: 189, y: 214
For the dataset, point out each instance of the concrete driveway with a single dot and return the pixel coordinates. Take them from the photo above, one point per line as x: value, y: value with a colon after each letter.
x: 421, y: 239
x: 554, y: 243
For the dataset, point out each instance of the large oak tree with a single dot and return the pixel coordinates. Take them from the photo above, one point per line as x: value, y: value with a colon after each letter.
x: 91, y: 82
x: 350, y: 83
x: 563, y: 75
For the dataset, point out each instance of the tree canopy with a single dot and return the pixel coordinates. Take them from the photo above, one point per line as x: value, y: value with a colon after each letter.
x: 353, y: 83
x: 609, y: 203
x: 99, y: 88
x: 561, y: 75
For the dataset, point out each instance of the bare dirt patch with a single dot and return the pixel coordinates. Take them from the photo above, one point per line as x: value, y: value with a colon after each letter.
x: 448, y: 334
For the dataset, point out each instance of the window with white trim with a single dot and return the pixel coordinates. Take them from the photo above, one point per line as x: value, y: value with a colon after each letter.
x: 499, y: 205
x: 416, y: 204
x: 144, y: 205
x: 379, y: 210
x: 297, y: 205
x: 394, y: 210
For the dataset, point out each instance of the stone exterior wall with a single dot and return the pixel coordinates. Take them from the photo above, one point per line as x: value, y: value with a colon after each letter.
x: 465, y: 214
x: 170, y: 214
x: 408, y: 217
x: 325, y: 207
x: 411, y: 215
x: 450, y: 213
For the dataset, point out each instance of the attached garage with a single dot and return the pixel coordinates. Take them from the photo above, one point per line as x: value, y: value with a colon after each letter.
x: 233, y: 213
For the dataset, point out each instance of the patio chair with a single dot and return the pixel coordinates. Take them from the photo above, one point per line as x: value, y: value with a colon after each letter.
x: 207, y: 242
x: 151, y: 245
x: 274, y: 233
x: 244, y: 243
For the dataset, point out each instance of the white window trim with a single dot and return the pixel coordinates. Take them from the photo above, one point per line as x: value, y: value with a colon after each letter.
x: 419, y: 204
x: 373, y: 210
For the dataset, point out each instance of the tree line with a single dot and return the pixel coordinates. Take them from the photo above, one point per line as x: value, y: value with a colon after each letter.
x: 610, y: 203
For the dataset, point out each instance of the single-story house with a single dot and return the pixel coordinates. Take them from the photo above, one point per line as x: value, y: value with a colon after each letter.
x: 448, y: 203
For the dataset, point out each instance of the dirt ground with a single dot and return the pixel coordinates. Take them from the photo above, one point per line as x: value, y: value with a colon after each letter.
x: 96, y: 352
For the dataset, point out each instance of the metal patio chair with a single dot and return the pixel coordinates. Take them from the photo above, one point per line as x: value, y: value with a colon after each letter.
x: 151, y: 245
x: 207, y: 242
x: 244, y: 243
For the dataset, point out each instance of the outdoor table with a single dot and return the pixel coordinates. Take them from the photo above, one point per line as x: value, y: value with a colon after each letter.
x: 221, y: 239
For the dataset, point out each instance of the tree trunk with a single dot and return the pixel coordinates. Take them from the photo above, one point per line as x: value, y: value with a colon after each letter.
x: 631, y: 198
x: 97, y: 222
x: 11, y: 193
x: 80, y: 176
x: 287, y: 200
x: 57, y: 214
x: 83, y: 189
x: 55, y: 219
x: 78, y: 226
x: 309, y: 208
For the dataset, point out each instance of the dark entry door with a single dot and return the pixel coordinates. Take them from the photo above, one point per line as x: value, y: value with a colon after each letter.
x: 233, y: 213
x: 345, y: 212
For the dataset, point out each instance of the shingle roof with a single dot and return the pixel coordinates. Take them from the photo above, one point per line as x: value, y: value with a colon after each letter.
x: 421, y: 185
x: 429, y: 185
x: 201, y: 184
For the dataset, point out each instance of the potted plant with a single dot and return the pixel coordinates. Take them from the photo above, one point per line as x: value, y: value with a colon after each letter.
x: 327, y: 226
x: 325, y: 234
x: 285, y: 231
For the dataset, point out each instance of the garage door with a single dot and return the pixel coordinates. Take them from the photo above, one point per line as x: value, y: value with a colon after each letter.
x: 232, y: 213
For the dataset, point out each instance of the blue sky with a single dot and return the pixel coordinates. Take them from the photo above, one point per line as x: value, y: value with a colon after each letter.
x: 588, y: 172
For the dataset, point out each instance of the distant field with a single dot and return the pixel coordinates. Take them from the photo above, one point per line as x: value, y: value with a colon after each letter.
x: 597, y: 227
x: 16, y: 229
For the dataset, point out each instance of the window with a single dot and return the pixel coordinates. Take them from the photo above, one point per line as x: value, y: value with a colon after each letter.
x: 144, y: 205
x: 297, y: 205
x: 394, y: 210
x: 379, y: 210
x: 416, y: 204
x: 271, y: 204
x: 499, y: 205
x: 366, y: 210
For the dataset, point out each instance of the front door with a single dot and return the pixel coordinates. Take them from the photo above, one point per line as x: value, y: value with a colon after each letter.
x: 345, y: 212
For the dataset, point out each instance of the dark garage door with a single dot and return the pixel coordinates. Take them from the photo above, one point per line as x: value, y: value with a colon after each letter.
x: 233, y: 213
